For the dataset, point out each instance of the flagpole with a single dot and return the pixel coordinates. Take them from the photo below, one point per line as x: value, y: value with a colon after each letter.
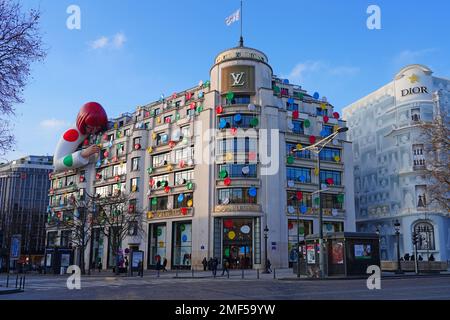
x: 241, y: 40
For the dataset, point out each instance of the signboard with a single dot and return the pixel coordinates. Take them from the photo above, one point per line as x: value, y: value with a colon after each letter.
x: 363, y: 251
x: 137, y: 256
x: 310, y: 254
x: 65, y: 260
x: 16, y: 241
x: 238, y: 79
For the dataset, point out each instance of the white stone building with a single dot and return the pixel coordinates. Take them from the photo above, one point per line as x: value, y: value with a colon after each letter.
x: 389, y: 158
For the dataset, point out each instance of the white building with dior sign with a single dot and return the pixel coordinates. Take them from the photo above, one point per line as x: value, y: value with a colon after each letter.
x: 389, y: 159
x: 197, y: 209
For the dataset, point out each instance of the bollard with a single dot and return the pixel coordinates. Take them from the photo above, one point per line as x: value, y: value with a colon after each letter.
x: 257, y: 273
x: 242, y: 273
x: 274, y: 276
x: 7, y: 280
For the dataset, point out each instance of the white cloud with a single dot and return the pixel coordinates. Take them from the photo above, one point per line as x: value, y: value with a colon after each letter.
x: 303, y: 70
x: 99, y: 43
x: 412, y: 56
x: 119, y: 39
x: 53, y: 124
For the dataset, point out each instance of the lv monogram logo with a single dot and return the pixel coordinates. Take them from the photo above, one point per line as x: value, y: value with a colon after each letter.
x: 238, y: 79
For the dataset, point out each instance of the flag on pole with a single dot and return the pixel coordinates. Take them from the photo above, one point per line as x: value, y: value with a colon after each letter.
x: 233, y: 18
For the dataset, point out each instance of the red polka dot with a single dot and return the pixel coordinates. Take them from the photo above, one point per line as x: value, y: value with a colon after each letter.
x: 71, y: 135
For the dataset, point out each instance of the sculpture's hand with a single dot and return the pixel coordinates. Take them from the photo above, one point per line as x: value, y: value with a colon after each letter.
x: 94, y: 149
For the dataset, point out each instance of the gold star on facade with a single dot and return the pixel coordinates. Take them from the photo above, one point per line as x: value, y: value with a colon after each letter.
x: 413, y: 78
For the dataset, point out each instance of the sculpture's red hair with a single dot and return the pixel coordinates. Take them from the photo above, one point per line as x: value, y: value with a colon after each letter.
x: 92, y: 114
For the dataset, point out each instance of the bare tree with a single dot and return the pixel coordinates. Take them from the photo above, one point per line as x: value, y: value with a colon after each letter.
x: 119, y: 218
x: 436, y: 136
x: 20, y: 45
x: 80, y: 223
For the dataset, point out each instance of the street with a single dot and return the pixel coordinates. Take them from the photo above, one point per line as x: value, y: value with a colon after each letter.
x: 150, y: 287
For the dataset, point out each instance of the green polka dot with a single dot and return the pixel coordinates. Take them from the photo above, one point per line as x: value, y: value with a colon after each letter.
x: 68, y: 161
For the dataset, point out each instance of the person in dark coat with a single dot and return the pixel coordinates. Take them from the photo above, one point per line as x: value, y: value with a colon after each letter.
x: 204, y: 263
x: 226, y: 265
x: 431, y: 258
x: 158, y: 263
x: 210, y: 263
x: 215, y: 262
x: 164, y: 265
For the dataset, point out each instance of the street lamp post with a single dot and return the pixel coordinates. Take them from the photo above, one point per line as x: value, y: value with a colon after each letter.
x: 316, y: 148
x: 266, y: 234
x: 397, y: 233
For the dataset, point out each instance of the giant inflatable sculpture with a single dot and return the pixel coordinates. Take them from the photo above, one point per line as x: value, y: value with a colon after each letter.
x: 91, y: 119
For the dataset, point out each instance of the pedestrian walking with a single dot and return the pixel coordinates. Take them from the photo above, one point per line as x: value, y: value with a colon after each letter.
x: 225, y: 267
x: 204, y: 263
x: 100, y: 266
x: 214, y: 264
x: 164, y: 265
x: 269, y: 265
x: 210, y: 263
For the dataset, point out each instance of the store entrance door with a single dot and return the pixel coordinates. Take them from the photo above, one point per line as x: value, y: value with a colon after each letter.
x: 238, y: 243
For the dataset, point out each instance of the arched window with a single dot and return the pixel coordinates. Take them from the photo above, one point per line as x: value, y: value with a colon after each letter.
x: 425, y: 231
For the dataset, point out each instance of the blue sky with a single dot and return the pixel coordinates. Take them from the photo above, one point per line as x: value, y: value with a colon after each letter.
x: 129, y: 52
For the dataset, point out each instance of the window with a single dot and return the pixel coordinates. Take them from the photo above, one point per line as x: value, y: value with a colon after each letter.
x: 235, y: 145
x: 127, y: 132
x: 183, y: 204
x: 293, y: 201
x: 162, y: 138
x: 298, y: 127
x: 186, y: 131
x: 327, y: 130
x: 111, y: 137
x: 235, y: 170
x: 418, y: 157
x: 321, y: 112
x: 157, y: 111
x: 330, y: 201
x: 65, y: 238
x: 185, y: 154
x: 51, y: 238
x: 244, y: 123
x: 159, y: 179
x: 328, y: 154
x: 415, y: 114
x: 136, y: 141
x: 168, y: 119
x: 159, y: 204
x: 183, y: 177
x: 71, y: 180
x: 104, y: 191
x: 177, y: 104
x: 335, y: 175
x: 305, y: 154
x: 120, y: 149
x: 235, y: 196
x: 160, y: 159
x: 190, y: 112
x: 134, y: 185
x: 284, y: 91
x: 133, y: 228
x: 298, y: 174
x: 147, y: 125
x: 120, y: 169
x: 425, y: 231
x: 291, y: 106
x: 240, y: 99
x: 135, y: 164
